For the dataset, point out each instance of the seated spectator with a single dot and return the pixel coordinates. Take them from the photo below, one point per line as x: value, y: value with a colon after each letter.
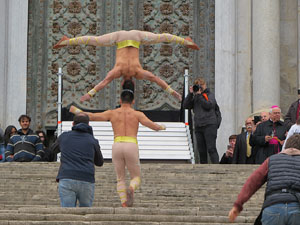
x: 8, y: 133
x: 2, y: 148
x: 227, y: 156
x: 243, y: 153
x: 24, y: 146
x: 49, y: 155
x: 1, y: 136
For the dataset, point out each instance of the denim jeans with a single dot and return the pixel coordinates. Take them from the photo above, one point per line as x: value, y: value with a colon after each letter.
x: 282, y: 214
x: 72, y: 190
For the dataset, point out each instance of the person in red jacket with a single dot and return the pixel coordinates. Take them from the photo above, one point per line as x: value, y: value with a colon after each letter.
x: 282, y: 195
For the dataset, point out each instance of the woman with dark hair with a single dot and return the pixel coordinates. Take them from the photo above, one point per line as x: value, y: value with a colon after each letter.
x: 49, y: 155
x: 8, y: 133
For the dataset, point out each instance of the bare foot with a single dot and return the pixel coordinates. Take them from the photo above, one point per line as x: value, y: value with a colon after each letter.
x: 85, y: 97
x: 191, y: 45
x: 177, y: 95
x: 61, y: 43
x: 74, y: 110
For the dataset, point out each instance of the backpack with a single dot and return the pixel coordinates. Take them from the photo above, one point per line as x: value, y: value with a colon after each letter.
x: 218, y: 115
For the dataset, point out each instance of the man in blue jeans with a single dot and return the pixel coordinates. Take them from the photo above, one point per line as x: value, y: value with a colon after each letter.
x: 282, y: 194
x: 79, y: 152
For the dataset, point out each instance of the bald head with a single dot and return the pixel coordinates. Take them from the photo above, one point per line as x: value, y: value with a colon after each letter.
x: 264, y: 116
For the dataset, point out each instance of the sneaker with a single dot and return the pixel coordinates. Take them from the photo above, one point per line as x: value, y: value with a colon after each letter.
x: 129, y: 201
x: 58, y: 45
x: 124, y: 205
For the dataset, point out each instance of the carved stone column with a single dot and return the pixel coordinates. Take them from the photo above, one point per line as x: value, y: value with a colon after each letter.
x: 225, y: 69
x: 13, y: 60
x: 266, y: 54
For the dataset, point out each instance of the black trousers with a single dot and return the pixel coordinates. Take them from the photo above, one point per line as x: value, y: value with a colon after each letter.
x: 206, y: 143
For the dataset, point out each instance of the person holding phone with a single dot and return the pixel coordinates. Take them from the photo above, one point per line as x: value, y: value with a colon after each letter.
x: 227, y: 156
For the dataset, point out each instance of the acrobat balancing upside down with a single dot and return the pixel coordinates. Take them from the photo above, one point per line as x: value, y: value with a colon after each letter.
x: 127, y: 56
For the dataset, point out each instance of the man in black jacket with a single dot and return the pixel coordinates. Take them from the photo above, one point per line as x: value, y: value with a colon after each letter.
x: 203, y: 103
x: 79, y: 152
x: 243, y: 153
x: 269, y: 136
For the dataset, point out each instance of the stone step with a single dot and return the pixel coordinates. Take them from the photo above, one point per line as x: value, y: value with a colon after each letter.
x: 105, y: 223
x: 170, y: 194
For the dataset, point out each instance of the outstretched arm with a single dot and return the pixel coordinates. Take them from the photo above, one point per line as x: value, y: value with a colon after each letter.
x: 144, y: 120
x: 104, y: 116
x: 147, y: 75
x: 111, y: 75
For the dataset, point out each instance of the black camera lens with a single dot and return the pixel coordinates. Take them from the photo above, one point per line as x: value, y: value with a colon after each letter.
x: 196, y: 88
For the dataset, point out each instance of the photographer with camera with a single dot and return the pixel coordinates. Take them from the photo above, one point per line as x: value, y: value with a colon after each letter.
x: 207, y: 119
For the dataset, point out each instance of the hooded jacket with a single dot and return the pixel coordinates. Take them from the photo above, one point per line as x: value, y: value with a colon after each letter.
x: 80, y: 151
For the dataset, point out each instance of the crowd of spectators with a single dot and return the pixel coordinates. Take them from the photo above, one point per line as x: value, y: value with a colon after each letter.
x: 24, y: 145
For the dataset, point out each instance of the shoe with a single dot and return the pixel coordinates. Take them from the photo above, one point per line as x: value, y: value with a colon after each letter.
x: 58, y: 45
x: 193, y: 46
x: 129, y: 193
x: 124, y: 205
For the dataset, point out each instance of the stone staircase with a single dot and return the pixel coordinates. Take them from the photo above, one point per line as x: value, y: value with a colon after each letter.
x: 171, y: 194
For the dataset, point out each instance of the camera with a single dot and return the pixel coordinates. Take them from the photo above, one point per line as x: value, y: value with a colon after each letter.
x: 257, y: 119
x: 196, y: 88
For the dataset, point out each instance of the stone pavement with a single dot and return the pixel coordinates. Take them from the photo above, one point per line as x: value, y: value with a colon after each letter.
x: 171, y: 194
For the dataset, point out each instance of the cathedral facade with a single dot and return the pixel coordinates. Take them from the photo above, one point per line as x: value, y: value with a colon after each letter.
x: 248, y: 55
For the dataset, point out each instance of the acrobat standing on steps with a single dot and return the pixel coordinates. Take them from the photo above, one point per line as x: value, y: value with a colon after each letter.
x: 125, y: 153
x: 127, y: 56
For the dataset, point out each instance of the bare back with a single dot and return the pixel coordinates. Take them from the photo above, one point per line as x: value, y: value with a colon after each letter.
x: 125, y: 122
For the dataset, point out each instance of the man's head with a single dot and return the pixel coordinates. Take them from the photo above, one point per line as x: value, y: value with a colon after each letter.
x: 264, y: 116
x: 275, y: 113
x: 24, y: 121
x: 232, y: 140
x: 200, y: 81
x: 81, y: 118
x: 293, y: 142
x: 127, y: 96
x: 249, y: 124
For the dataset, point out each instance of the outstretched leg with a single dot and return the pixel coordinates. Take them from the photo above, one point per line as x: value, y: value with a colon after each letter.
x: 151, y: 38
x: 111, y: 75
x: 146, y: 75
x: 103, y: 40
